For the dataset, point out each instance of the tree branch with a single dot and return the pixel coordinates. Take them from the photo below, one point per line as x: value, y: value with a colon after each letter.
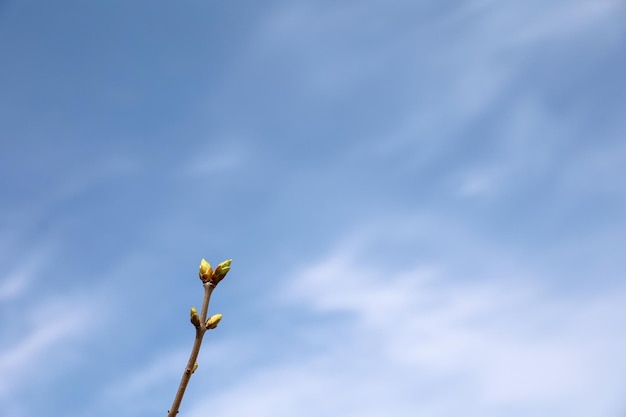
x: 200, y: 330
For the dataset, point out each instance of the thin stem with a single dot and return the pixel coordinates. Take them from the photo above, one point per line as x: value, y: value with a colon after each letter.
x: 208, y: 290
x: 200, y: 330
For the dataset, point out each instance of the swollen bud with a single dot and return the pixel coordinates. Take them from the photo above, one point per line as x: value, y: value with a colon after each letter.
x: 193, y: 315
x: 221, y: 271
x: 195, y: 366
x: 206, y: 271
x: 212, y: 322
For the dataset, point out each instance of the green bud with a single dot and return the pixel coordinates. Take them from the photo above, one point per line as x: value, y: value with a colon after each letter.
x: 193, y: 315
x: 212, y: 322
x: 195, y: 366
x: 221, y: 271
x: 206, y: 271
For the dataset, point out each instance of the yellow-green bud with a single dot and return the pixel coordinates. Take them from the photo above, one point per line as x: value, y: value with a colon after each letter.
x: 221, y: 271
x: 195, y: 366
x: 212, y: 322
x: 193, y: 315
x: 206, y: 272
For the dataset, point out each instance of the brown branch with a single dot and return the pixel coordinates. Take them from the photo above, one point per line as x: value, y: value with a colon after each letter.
x: 210, y: 279
x: 200, y: 330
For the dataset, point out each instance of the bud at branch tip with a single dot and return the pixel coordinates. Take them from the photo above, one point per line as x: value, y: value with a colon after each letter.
x: 206, y: 271
x: 221, y: 271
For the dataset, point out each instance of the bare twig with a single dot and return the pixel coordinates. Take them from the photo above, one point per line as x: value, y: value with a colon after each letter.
x: 209, y: 279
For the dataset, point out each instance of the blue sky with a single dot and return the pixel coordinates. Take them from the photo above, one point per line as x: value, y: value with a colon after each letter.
x: 424, y: 203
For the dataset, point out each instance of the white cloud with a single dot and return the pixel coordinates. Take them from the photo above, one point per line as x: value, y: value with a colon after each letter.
x: 477, y: 184
x: 26, y: 351
x: 424, y: 342
x: 561, y: 19
x: 136, y: 390
x: 211, y: 160
x: 36, y: 211
x: 55, y: 323
x: 139, y: 381
x: 14, y: 285
x: 158, y: 377
x: 20, y: 278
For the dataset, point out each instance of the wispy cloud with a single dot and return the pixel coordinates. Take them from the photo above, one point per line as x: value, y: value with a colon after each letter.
x: 402, y: 341
x: 559, y: 19
x: 14, y: 284
x: 210, y: 160
x: 39, y: 335
x: 477, y: 184
x: 32, y: 213
x: 137, y: 389
x: 150, y: 383
x: 18, y: 280
x: 28, y: 351
x: 143, y: 379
